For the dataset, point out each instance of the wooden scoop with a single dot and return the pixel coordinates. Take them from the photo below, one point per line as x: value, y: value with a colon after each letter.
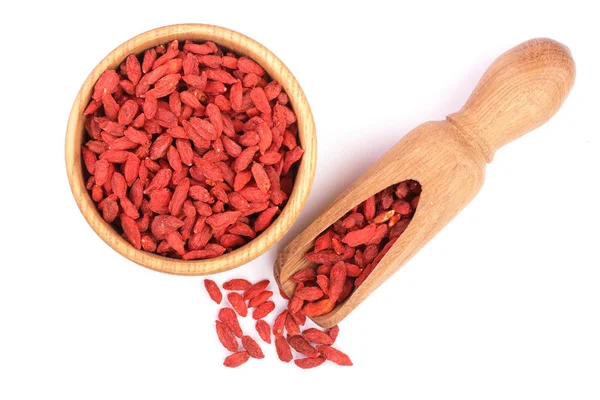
x: 520, y: 91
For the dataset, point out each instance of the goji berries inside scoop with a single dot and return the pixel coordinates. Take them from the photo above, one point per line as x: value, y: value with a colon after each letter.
x: 191, y: 151
x: 348, y: 251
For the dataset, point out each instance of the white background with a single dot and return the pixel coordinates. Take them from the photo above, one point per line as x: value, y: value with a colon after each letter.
x: 503, y: 303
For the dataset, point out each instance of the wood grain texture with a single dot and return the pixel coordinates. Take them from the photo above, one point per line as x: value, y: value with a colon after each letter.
x: 521, y: 90
x: 241, y: 45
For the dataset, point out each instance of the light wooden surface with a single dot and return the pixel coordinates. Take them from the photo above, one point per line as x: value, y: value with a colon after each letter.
x: 521, y: 90
x: 241, y: 45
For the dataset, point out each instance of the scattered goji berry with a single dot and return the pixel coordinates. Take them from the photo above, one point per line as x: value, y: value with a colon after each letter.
x: 236, y: 359
x: 333, y: 333
x: 300, y: 344
x: 291, y: 326
x: 213, y: 291
x: 306, y: 363
x: 255, y: 289
x: 238, y: 303
x: 236, y: 284
x: 263, y: 310
x: 252, y: 347
x: 226, y: 336
x: 316, y: 336
x: 283, y: 349
x: 260, y: 298
x: 334, y: 355
x: 229, y: 318
x: 264, y: 330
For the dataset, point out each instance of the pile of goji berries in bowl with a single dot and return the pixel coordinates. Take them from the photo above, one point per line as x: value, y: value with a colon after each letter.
x: 191, y: 149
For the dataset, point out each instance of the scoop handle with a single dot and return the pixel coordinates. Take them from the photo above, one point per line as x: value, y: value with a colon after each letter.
x: 522, y: 89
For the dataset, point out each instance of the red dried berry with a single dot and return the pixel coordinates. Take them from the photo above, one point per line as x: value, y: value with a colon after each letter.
x: 260, y: 298
x: 252, y: 347
x: 299, y: 318
x: 228, y: 317
x: 236, y: 284
x: 238, y: 303
x: 337, y: 277
x: 295, y: 304
x: 360, y: 236
x: 255, y: 289
x: 162, y: 225
x: 316, y: 336
x: 263, y: 310
x: 236, y: 359
x: 226, y: 336
x: 131, y: 230
x: 291, y: 326
x: 279, y: 324
x: 320, y: 307
x: 323, y: 283
x: 333, y: 333
x: 306, y: 363
x: 300, y: 344
x: 213, y: 290
x: 304, y: 275
x: 334, y: 355
x: 264, y: 330
x: 283, y: 349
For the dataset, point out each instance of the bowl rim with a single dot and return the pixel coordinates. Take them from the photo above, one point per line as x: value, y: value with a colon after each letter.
x: 241, y: 45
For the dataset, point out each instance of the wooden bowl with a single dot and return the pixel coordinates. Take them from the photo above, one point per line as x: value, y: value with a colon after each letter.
x: 241, y: 45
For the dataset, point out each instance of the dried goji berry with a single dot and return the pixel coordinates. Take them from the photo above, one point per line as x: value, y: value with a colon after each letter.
x: 334, y: 355
x: 264, y: 331
x: 131, y: 230
x: 333, y: 333
x: 291, y: 326
x: 252, y: 347
x: 107, y: 83
x: 256, y: 289
x: 236, y: 284
x: 263, y: 310
x: 306, y: 363
x: 229, y: 318
x: 323, y: 283
x: 223, y: 219
x: 299, y: 318
x: 236, y: 359
x: 283, y: 349
x: 309, y: 293
x: 300, y: 344
x: 176, y: 242
x: 316, y: 336
x: 162, y: 225
x: 238, y: 303
x: 265, y: 218
x: 213, y: 291
x: 279, y: 324
x: 360, y: 236
x: 337, y: 277
x: 226, y: 336
x: 320, y: 307
x: 110, y: 210
x: 260, y: 298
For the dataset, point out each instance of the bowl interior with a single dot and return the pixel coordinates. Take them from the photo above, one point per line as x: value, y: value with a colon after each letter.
x: 241, y: 45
